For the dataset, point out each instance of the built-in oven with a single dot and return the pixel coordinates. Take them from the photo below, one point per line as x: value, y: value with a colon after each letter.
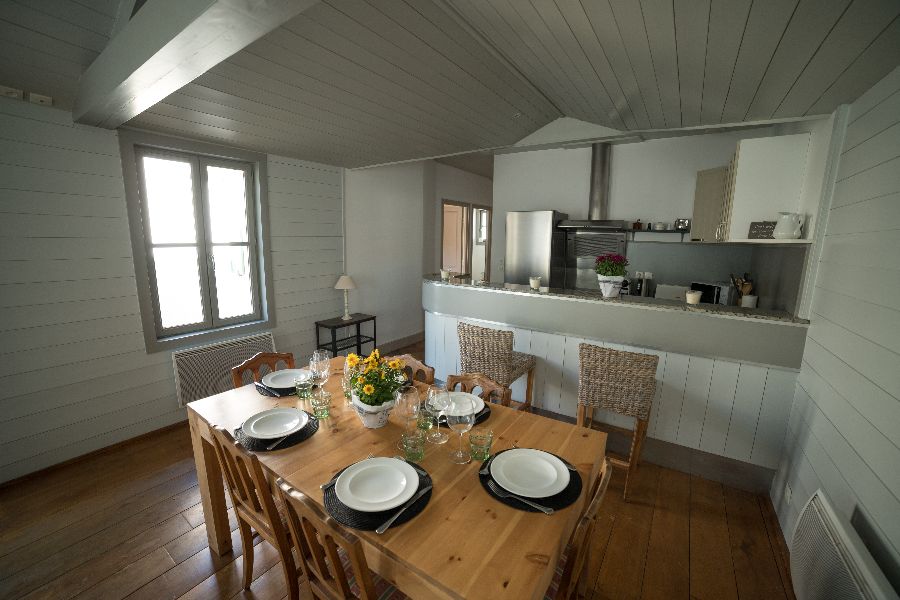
x: 583, y: 246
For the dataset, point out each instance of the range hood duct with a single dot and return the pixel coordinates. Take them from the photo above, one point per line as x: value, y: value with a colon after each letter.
x: 598, y: 199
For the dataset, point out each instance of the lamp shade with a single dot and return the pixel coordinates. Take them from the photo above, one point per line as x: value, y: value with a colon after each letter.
x: 345, y: 283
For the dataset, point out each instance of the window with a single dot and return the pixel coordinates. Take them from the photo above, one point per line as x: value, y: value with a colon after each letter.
x: 195, y: 220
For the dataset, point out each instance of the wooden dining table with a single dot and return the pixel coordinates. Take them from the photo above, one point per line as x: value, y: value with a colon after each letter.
x: 465, y: 543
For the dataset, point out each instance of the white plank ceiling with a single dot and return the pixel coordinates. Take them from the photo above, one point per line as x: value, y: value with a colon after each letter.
x: 361, y: 82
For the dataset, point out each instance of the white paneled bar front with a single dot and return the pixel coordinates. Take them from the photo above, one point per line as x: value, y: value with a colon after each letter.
x: 732, y: 408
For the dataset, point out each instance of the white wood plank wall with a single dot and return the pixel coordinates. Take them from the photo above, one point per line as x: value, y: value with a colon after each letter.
x: 844, y: 434
x: 68, y: 299
x: 738, y: 410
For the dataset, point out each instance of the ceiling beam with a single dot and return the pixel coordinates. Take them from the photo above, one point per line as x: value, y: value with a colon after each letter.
x: 166, y: 45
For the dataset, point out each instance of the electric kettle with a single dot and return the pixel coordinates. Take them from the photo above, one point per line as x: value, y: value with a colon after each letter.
x: 788, y: 226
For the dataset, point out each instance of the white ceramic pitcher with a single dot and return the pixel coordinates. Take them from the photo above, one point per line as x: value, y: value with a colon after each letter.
x: 788, y: 226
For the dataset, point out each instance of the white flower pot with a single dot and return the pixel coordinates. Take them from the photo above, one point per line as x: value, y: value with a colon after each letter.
x: 610, y: 285
x: 372, y: 417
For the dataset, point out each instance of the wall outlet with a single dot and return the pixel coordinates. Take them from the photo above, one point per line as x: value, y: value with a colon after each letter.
x: 787, y: 494
x: 40, y: 99
x: 8, y: 92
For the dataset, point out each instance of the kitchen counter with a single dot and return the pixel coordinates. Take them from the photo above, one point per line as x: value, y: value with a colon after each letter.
x: 635, y: 301
x: 756, y: 336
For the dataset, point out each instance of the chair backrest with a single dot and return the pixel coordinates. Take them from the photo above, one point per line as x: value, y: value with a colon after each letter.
x: 255, y: 363
x: 491, y: 391
x: 415, y: 369
x: 251, y: 496
x: 318, y: 538
x: 579, y: 543
x: 484, y: 350
x: 621, y: 382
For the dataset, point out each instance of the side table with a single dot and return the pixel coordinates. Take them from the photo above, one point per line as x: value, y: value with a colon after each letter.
x: 336, y: 344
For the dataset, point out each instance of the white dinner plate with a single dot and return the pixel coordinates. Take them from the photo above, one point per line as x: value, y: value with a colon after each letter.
x: 275, y: 423
x: 284, y: 379
x: 376, y: 484
x: 530, y: 473
x: 479, y: 403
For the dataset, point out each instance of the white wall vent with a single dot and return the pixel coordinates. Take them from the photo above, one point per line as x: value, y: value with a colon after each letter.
x: 206, y: 370
x: 829, y: 560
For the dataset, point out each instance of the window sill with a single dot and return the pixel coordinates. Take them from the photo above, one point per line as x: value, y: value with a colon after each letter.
x: 208, y: 336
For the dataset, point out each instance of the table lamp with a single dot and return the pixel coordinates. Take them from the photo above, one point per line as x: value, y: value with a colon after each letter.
x: 346, y: 284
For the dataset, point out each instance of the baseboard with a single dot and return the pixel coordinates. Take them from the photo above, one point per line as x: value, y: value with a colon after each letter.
x: 99, y: 451
x: 387, y: 348
x: 734, y: 473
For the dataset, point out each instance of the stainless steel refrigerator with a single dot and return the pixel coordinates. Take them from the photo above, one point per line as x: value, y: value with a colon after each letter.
x: 535, y: 246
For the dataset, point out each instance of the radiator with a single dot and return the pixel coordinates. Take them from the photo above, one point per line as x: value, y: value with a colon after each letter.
x: 206, y: 370
x: 829, y: 560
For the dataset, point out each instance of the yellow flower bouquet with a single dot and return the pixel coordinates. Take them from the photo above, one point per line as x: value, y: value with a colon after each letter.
x: 375, y: 379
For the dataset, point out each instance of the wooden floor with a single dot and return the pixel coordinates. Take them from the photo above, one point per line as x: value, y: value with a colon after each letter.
x: 128, y: 524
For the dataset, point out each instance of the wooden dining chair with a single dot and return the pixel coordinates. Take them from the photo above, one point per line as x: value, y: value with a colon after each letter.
x: 255, y: 363
x: 570, y: 578
x: 254, y: 506
x: 491, y: 391
x: 620, y: 382
x: 415, y: 369
x: 331, y: 558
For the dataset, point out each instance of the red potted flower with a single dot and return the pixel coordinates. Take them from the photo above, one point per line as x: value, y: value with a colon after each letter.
x: 610, y: 273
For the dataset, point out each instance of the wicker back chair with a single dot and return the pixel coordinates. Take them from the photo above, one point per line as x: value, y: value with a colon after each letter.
x: 491, y: 391
x: 620, y: 382
x: 255, y: 363
x: 415, y: 369
x: 254, y: 506
x: 490, y: 352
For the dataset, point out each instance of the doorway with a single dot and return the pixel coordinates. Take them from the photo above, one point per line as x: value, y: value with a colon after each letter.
x: 466, y: 239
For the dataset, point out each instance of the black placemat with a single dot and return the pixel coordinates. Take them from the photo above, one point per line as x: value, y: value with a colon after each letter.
x: 258, y: 445
x: 483, y: 415
x: 557, y: 501
x: 370, y: 521
x: 274, y: 392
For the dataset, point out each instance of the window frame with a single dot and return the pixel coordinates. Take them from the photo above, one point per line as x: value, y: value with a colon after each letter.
x: 134, y: 145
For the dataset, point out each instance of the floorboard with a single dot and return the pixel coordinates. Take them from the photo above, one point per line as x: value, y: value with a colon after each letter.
x: 133, y: 527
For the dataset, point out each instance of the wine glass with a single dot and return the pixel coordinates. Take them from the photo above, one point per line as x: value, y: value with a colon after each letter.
x: 437, y: 401
x: 408, y: 407
x: 461, y: 418
x: 320, y: 365
x: 347, y: 385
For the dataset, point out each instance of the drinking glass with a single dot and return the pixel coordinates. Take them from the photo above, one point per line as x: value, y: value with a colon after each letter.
x: 408, y: 407
x: 321, y: 404
x: 480, y: 441
x: 437, y: 401
x: 413, y: 445
x: 460, y: 418
x: 347, y: 386
x: 303, y: 384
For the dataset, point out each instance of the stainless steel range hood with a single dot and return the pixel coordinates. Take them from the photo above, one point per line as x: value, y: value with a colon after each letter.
x: 598, y: 198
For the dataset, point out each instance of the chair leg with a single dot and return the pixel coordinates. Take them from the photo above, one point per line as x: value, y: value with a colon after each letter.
x: 247, y: 544
x: 529, y: 390
x: 579, y: 417
x: 634, y: 457
x: 290, y: 575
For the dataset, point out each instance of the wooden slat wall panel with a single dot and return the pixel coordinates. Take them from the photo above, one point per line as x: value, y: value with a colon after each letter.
x: 843, y: 428
x: 731, y: 409
x: 68, y: 292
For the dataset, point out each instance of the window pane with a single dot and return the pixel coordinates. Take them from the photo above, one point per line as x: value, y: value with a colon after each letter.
x: 233, y: 281
x: 227, y: 191
x: 169, y: 200
x: 178, y: 286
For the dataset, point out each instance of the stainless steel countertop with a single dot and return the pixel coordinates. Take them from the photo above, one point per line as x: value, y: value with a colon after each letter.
x: 636, y: 301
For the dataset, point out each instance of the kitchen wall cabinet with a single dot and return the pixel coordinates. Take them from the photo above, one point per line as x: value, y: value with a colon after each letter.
x: 767, y: 176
